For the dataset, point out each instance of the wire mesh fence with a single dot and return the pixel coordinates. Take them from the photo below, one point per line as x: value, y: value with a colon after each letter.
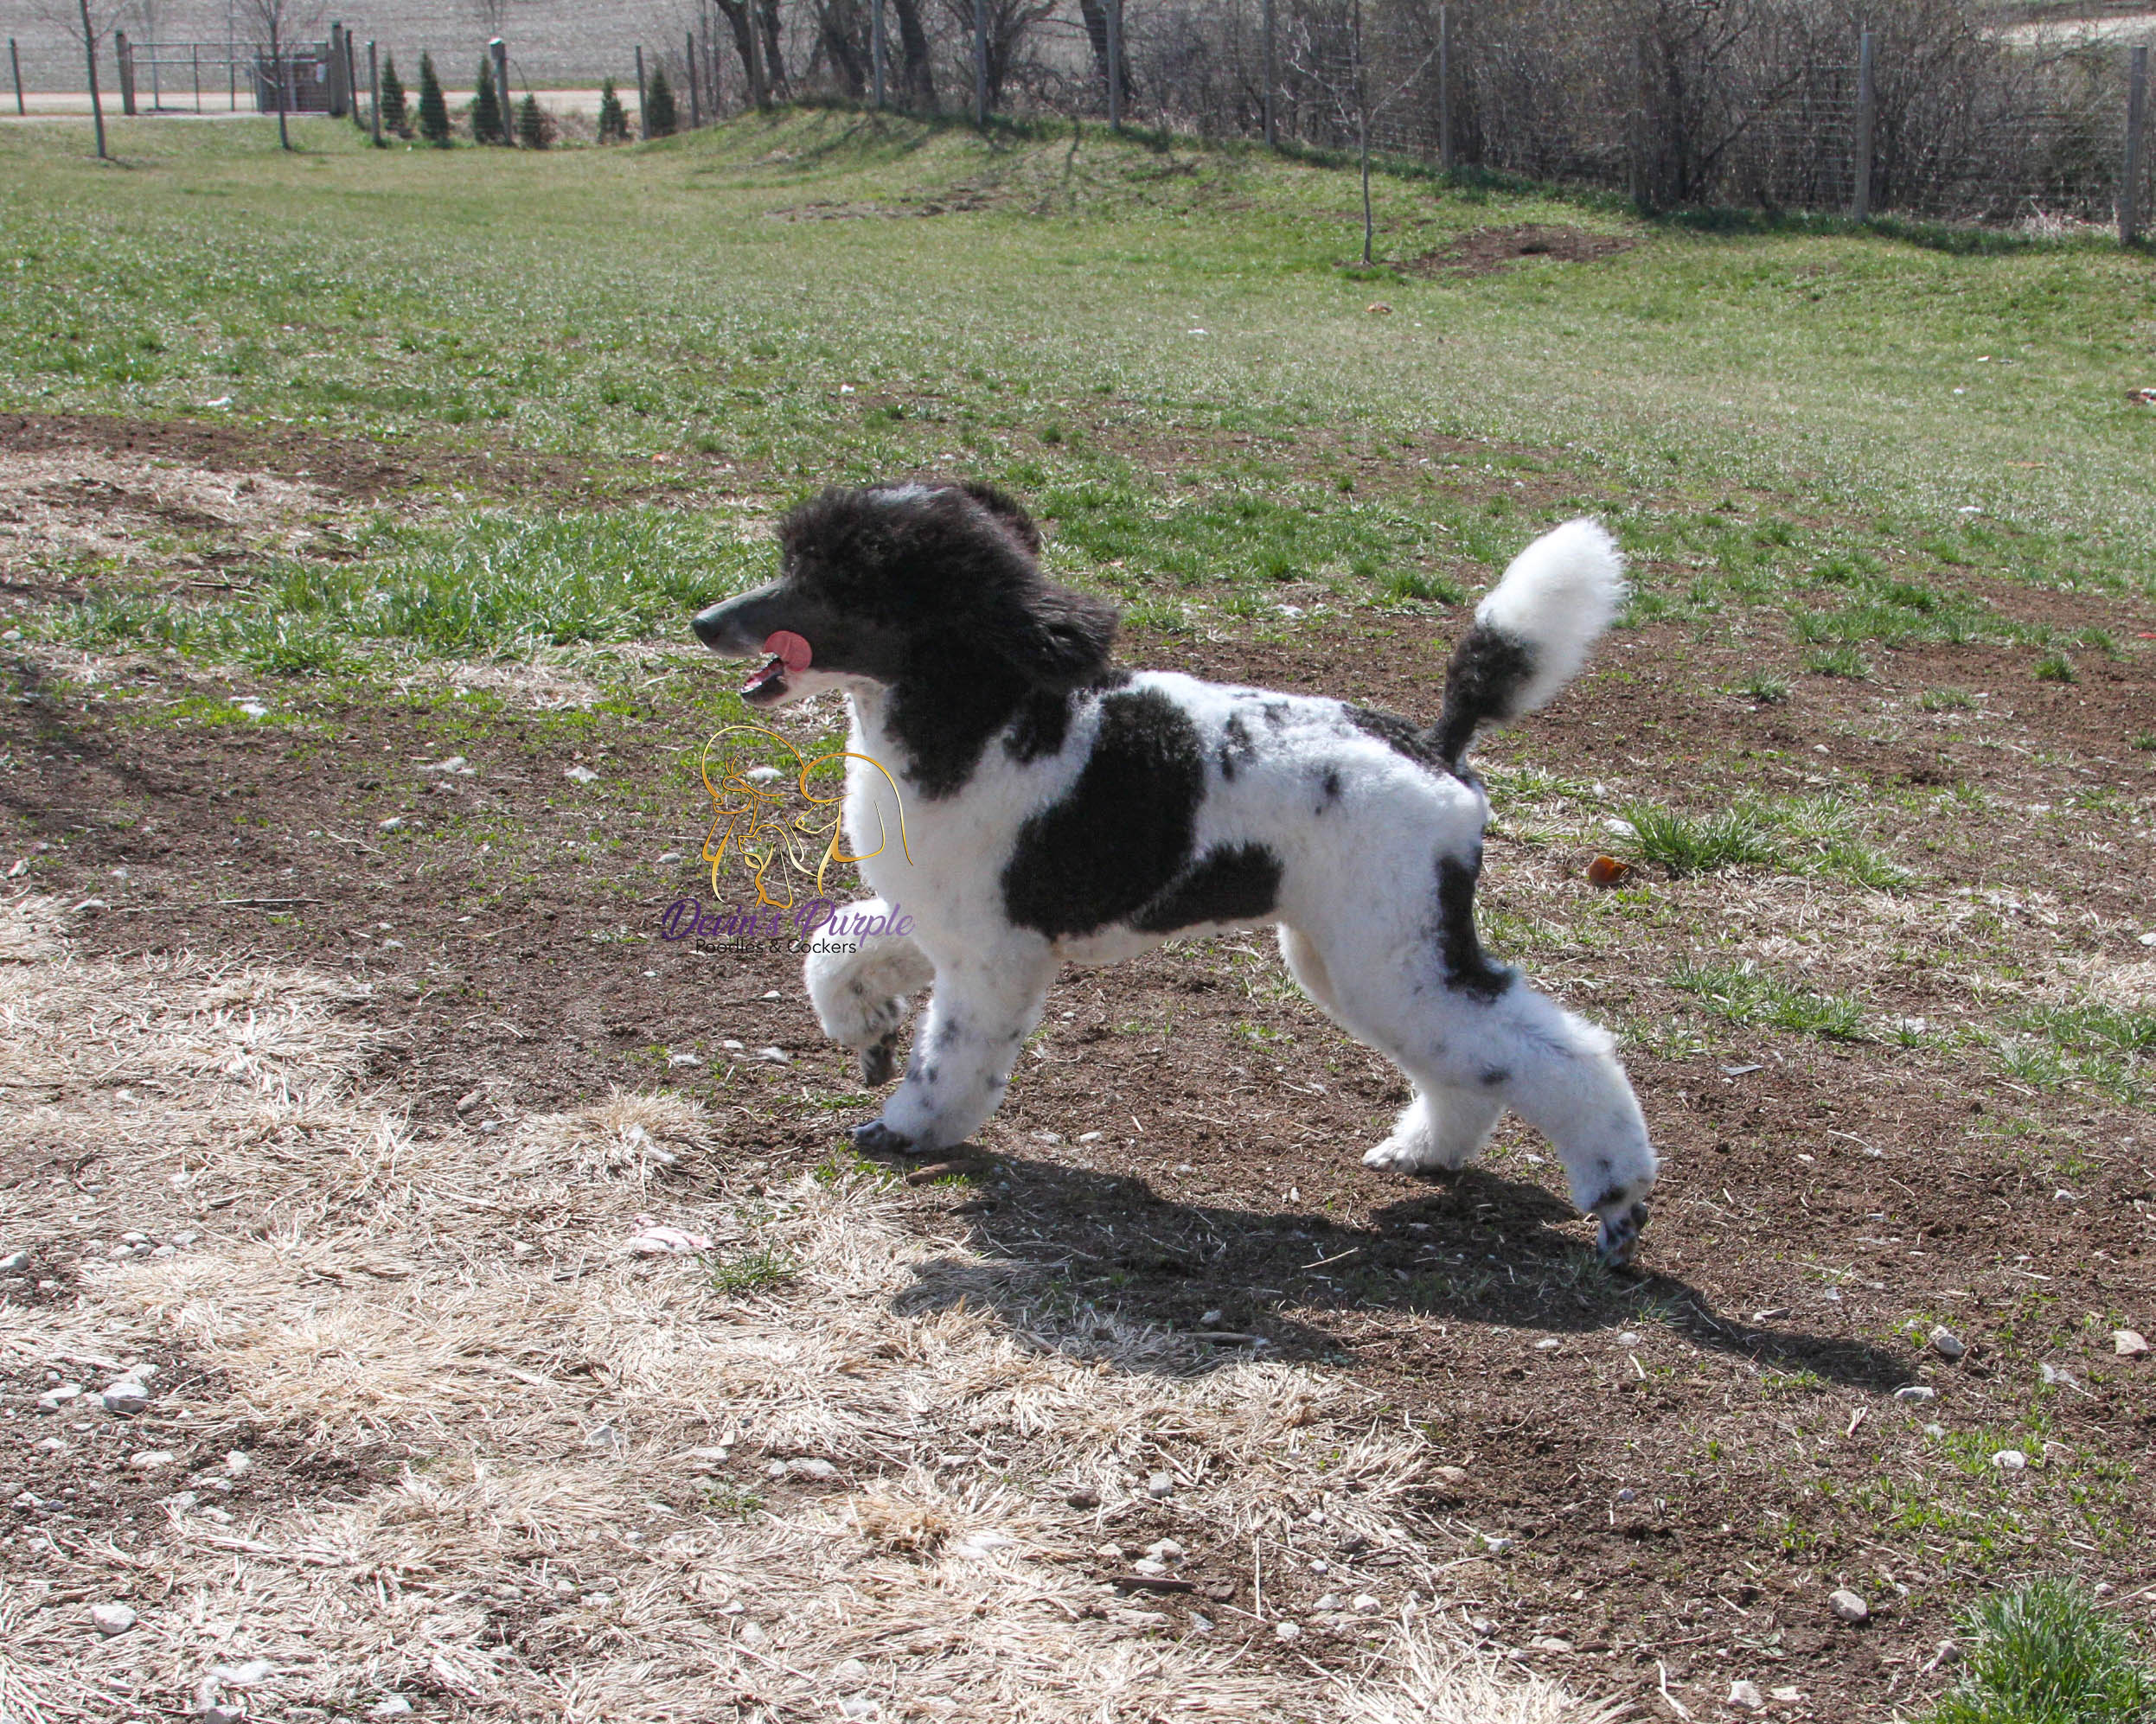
x: 1916, y: 107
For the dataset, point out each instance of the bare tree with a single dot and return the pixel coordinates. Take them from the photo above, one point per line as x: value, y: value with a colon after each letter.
x: 89, y: 25
x: 278, y: 20
x: 1010, y: 23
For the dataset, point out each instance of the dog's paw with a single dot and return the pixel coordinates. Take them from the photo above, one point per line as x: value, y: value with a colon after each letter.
x: 878, y: 1060
x: 875, y: 1138
x: 1401, y: 1154
x: 1619, y: 1240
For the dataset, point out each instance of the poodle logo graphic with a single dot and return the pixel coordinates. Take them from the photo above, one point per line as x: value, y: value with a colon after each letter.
x: 778, y: 828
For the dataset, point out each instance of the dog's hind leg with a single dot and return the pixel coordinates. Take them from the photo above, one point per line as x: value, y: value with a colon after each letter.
x: 862, y: 987
x: 978, y: 1019
x: 1444, y: 1126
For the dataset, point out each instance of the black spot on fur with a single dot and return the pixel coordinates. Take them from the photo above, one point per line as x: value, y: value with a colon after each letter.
x: 1482, y: 683
x: 1468, y: 968
x: 1330, y: 788
x: 1238, y: 885
x: 1495, y: 1076
x: 1276, y: 714
x: 1403, y: 736
x: 1043, y: 722
x: 1124, y: 833
x: 1237, y: 750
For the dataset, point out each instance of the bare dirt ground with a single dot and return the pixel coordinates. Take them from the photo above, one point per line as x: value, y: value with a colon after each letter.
x: 1643, y: 1487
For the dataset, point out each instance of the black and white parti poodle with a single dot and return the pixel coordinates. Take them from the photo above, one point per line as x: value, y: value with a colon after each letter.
x: 1058, y: 808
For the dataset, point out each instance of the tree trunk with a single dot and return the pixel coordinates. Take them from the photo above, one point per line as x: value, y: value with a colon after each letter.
x: 840, y: 32
x: 277, y: 77
x: 918, y: 76
x: 1094, y: 13
x: 774, y: 51
x: 743, y: 29
x: 96, y: 102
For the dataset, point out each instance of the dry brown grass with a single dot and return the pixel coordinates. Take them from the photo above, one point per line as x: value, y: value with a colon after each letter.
x: 556, y: 1545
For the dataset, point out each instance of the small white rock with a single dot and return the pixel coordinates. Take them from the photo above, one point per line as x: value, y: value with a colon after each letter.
x: 1090, y: 1137
x: 2128, y: 1343
x: 1747, y: 1696
x: 1788, y: 1696
x: 776, y: 1055
x: 1210, y: 1320
x: 150, y: 1460
x: 1165, y: 1551
x: 1847, y: 1605
x: 776, y: 1470
x: 1916, y: 1392
x: 390, y: 1706
x: 1109, y: 1553
x: 58, y: 1396
x: 2056, y: 1378
x: 1550, y: 1643
x: 1329, y: 1602
x: 1286, y: 1631
x: 1629, y: 1339
x: 849, y: 1671
x: 581, y: 774
x: 1549, y: 1343
x: 1200, y: 1623
x: 166, y: 1251
x: 1366, y: 1602
x: 111, y: 1619
x: 1160, y: 1486
x: 13, y: 1261
x: 2010, y: 1460
x: 859, y: 1706
x: 811, y: 1468
x: 1152, y: 1568
x: 125, y: 1396
x: 252, y: 1674
x: 1946, y: 1343
x: 238, y: 1461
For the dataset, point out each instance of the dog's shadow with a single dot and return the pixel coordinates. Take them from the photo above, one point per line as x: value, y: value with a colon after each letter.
x: 1103, y: 1266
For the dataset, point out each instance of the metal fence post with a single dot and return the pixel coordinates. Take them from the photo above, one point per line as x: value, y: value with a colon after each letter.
x: 14, y: 59
x: 1272, y: 135
x: 643, y: 121
x: 126, y: 61
x: 2136, y: 124
x: 332, y: 97
x: 981, y: 63
x: 1444, y: 88
x: 1115, y: 63
x: 1867, y: 104
x: 876, y: 47
x: 373, y: 83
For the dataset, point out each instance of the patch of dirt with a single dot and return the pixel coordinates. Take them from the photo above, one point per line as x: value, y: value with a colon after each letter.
x: 1487, y: 250
x: 1670, y: 1471
x: 63, y: 504
x: 326, y: 468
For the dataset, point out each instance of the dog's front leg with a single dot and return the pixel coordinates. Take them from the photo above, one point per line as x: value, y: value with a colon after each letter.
x: 982, y: 1009
x: 862, y: 985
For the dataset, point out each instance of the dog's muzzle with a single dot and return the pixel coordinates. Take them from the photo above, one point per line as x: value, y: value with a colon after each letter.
x: 750, y: 624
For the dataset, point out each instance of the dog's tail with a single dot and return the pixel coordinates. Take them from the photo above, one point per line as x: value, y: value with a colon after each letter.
x: 1532, y: 632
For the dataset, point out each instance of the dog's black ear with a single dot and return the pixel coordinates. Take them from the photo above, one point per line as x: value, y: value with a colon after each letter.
x: 1006, y: 508
x: 1059, y: 639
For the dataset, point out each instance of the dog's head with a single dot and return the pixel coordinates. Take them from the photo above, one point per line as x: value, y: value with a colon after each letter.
x: 904, y: 583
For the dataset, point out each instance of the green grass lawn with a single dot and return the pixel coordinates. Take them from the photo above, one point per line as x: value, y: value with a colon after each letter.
x: 1158, y: 345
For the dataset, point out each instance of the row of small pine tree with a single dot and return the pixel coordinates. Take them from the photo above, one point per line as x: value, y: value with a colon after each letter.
x: 534, y: 130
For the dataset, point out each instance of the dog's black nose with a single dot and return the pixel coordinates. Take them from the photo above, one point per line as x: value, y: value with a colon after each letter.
x: 711, y: 626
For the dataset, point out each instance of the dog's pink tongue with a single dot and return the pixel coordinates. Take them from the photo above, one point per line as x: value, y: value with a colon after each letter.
x: 790, y: 648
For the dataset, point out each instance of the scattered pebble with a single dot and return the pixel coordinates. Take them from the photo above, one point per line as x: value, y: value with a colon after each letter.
x: 859, y: 1706
x: 111, y: 1619
x: 811, y: 1468
x: 238, y: 1461
x: 1848, y: 1606
x: 1914, y: 1392
x: 2010, y: 1460
x: 2056, y: 1378
x: 1212, y: 1319
x: 150, y: 1460
x: 1165, y: 1551
x: 2128, y: 1343
x: 13, y: 1261
x: 1747, y: 1696
x: 1366, y: 1602
x: 581, y: 774
x: 1550, y: 1643
x: 1200, y: 1623
x: 1946, y: 1343
x: 1084, y: 1499
x: 252, y: 1674
x: 1286, y: 1631
x: 1109, y: 1553
x: 678, y: 1060
x: 1549, y: 1343
x: 1160, y: 1486
x: 850, y: 1671
x: 1090, y: 1137
x: 1627, y: 1495
x: 667, y: 856
x: 58, y: 1396
x: 390, y: 1706
x: 1629, y: 1339
x: 125, y: 1396
x: 1153, y: 1568
x: 776, y: 1055
x: 1786, y: 1696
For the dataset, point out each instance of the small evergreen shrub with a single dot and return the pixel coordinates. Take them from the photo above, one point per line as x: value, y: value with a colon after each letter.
x: 613, y: 119
x: 396, y: 119
x: 433, y: 108
x: 486, y: 110
x: 660, y: 119
x: 533, y: 131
